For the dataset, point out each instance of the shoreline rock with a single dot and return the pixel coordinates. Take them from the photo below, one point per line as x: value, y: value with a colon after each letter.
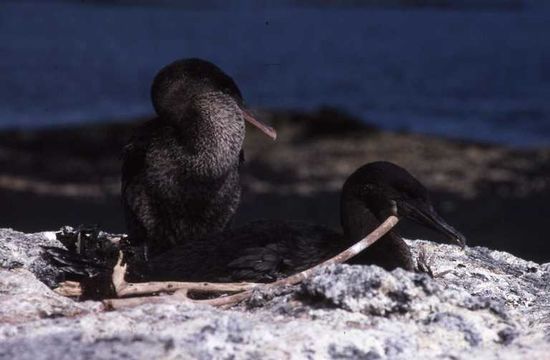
x: 480, y: 304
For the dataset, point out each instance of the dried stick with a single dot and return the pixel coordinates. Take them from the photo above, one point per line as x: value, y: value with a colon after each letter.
x: 228, y: 301
x: 114, y: 304
x: 125, y: 289
x: 69, y: 289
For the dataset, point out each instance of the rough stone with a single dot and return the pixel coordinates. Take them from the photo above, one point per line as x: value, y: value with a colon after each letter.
x: 19, y: 250
x: 479, y: 304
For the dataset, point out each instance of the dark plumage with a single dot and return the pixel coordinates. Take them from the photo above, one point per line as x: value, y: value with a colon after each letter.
x: 180, y: 172
x: 263, y: 251
x: 266, y: 250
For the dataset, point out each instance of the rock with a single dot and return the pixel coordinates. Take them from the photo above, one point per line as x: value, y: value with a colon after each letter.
x: 23, y: 298
x: 19, y: 250
x: 479, y: 304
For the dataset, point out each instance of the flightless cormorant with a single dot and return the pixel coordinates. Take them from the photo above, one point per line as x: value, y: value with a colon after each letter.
x: 180, y: 171
x: 263, y: 251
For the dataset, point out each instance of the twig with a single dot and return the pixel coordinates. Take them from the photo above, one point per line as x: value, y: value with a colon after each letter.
x: 342, y: 257
x: 247, y: 288
x: 69, y: 289
x: 114, y: 304
x: 125, y: 289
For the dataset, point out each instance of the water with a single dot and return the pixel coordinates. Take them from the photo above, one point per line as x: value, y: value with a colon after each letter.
x: 475, y: 74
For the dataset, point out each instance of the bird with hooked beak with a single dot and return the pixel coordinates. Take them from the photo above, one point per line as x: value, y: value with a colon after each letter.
x: 265, y: 250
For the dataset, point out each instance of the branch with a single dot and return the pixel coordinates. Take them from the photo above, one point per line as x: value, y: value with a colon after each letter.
x: 342, y: 257
x: 69, y: 289
x: 125, y: 289
x: 245, y: 290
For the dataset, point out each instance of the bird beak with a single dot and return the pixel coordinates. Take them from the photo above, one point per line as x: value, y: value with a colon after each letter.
x: 425, y: 215
x: 266, y: 129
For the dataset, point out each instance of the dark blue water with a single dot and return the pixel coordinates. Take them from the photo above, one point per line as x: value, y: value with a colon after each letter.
x: 476, y: 74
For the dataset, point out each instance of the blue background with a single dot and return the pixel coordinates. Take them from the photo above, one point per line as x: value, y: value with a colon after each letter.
x: 475, y: 72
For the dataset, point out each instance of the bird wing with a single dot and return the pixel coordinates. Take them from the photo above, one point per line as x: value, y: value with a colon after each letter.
x: 133, y: 162
x: 259, y: 263
x: 133, y: 158
x: 280, y: 248
x: 260, y: 251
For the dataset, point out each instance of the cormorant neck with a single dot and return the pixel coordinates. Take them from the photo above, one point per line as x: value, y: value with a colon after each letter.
x: 358, y: 221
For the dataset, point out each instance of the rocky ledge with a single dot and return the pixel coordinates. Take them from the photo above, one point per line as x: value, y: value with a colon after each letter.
x: 476, y: 303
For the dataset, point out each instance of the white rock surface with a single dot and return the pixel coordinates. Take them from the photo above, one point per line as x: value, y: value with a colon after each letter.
x: 481, y: 304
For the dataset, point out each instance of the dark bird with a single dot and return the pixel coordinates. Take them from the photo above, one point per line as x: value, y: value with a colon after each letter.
x: 180, y: 171
x: 264, y: 251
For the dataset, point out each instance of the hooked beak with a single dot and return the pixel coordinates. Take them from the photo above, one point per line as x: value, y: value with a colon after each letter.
x: 268, y: 130
x: 425, y: 215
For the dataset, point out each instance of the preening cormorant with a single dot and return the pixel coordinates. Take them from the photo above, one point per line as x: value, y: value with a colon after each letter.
x: 180, y: 171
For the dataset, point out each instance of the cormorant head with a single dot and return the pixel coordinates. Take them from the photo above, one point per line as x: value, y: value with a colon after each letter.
x: 388, y: 189
x: 178, y: 85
